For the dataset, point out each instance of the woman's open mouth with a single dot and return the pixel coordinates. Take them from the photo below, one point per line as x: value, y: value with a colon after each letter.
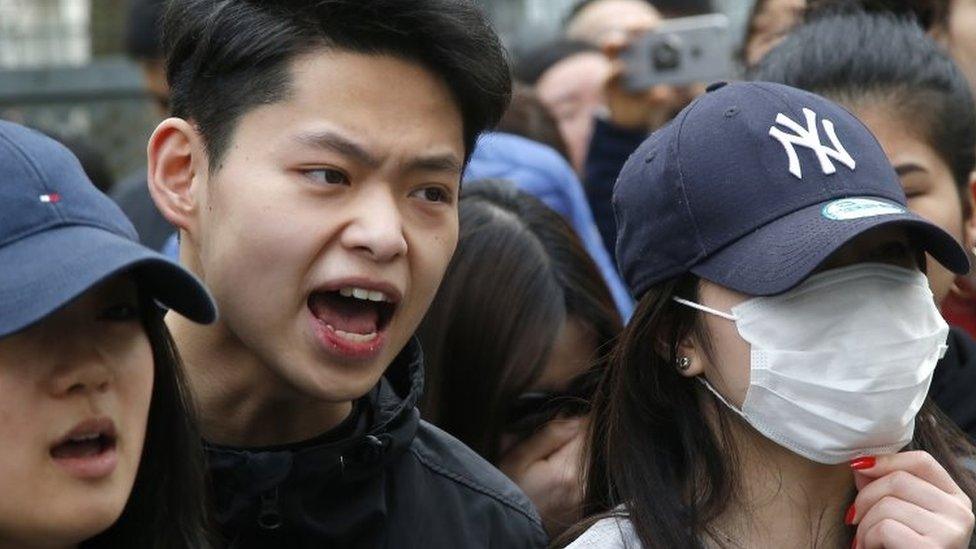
x: 351, y: 321
x: 88, y: 451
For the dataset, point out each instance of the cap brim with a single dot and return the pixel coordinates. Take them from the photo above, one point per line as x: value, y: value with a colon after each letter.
x: 784, y: 252
x: 45, y: 271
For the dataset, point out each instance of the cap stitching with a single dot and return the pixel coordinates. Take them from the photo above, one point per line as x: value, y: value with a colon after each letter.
x: 681, y: 185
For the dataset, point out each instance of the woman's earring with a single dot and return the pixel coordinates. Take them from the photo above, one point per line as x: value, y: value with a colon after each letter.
x: 683, y: 363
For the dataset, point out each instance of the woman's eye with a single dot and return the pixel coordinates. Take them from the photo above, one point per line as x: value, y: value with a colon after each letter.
x: 123, y: 312
x: 327, y: 176
x: 433, y: 194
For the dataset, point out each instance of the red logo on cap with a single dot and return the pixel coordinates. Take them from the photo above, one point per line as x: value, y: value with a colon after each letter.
x: 52, y: 198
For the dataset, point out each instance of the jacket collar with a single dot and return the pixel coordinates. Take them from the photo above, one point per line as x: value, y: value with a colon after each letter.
x: 245, y: 478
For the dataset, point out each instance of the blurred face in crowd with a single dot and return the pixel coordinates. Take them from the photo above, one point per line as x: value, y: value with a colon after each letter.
x: 573, y: 352
x: 326, y: 229
x: 730, y: 370
x: 74, y: 400
x: 962, y: 37
x: 573, y: 91
x: 925, y: 176
x: 769, y: 26
x: 604, y: 18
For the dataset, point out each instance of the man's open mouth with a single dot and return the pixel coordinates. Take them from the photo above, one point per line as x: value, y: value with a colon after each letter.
x: 357, y: 315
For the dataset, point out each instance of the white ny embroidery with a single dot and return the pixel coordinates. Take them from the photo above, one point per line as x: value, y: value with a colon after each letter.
x: 809, y: 137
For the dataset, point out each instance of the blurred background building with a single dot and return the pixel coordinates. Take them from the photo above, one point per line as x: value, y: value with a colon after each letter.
x: 63, y: 68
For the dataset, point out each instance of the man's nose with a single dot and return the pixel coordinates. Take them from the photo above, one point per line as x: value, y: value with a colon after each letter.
x: 377, y: 227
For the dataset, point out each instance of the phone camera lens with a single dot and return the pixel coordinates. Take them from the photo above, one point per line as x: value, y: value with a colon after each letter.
x: 665, y: 57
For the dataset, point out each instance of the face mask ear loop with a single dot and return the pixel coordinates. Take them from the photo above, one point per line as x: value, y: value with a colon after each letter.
x: 705, y: 309
x: 701, y: 379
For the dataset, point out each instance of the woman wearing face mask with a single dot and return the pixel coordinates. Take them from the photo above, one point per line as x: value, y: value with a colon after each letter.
x: 770, y: 390
x: 100, y: 447
x: 916, y: 101
x: 511, y: 377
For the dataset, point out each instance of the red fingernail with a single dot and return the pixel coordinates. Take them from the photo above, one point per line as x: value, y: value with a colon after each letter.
x: 849, y: 517
x: 863, y: 463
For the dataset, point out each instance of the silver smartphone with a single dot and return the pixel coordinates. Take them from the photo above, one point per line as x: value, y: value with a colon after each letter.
x: 680, y: 51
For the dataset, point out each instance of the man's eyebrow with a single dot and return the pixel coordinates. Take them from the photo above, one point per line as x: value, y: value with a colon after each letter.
x: 446, y: 162
x: 325, y: 139
x: 340, y: 144
x: 904, y: 169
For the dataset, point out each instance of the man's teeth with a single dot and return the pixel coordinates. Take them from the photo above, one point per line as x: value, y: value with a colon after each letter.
x: 363, y: 294
x: 85, y: 438
x: 356, y: 338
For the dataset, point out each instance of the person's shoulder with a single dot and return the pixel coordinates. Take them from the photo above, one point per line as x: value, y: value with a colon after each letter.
x: 449, y: 460
x: 608, y: 533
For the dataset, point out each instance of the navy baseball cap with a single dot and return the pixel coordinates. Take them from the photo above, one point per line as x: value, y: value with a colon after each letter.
x: 59, y: 236
x: 752, y: 186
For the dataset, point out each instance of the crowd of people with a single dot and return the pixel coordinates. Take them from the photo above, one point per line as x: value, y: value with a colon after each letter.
x: 385, y: 284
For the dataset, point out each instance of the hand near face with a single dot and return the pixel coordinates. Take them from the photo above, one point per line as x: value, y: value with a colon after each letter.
x: 547, y: 467
x: 908, y: 500
x: 645, y: 110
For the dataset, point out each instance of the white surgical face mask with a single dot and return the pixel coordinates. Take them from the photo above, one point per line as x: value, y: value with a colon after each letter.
x: 841, y: 364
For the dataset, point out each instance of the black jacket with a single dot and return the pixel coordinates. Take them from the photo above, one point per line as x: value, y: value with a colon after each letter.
x: 610, y: 147
x: 954, y: 381
x: 391, y: 480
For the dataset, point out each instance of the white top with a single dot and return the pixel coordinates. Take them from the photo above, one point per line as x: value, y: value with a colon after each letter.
x: 609, y: 533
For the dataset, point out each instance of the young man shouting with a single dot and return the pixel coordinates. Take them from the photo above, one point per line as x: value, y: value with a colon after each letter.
x: 312, y: 166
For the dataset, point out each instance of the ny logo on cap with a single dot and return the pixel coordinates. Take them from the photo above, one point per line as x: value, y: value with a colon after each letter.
x: 809, y: 137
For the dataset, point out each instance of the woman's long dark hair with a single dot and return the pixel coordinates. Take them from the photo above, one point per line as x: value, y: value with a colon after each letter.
x: 518, y: 273
x: 652, y: 449
x: 167, y: 508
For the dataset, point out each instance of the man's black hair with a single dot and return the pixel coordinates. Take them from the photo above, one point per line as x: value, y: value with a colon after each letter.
x: 225, y: 57
x: 928, y: 13
x: 860, y: 58
x: 143, y: 33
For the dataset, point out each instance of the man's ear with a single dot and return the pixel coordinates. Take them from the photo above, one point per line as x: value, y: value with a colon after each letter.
x: 176, y: 159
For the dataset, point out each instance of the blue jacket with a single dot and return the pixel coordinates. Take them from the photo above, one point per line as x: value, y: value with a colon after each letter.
x: 539, y: 170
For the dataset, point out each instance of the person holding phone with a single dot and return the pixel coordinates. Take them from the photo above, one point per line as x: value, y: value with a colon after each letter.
x: 100, y: 444
x: 771, y: 388
x: 636, y: 105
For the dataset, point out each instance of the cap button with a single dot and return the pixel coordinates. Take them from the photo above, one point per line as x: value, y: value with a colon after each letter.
x: 716, y: 86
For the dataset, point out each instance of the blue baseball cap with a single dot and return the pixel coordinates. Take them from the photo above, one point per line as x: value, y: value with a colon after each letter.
x: 59, y: 236
x: 752, y: 186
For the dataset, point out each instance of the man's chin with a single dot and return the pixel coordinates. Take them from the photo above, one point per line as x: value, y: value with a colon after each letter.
x: 337, y: 382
